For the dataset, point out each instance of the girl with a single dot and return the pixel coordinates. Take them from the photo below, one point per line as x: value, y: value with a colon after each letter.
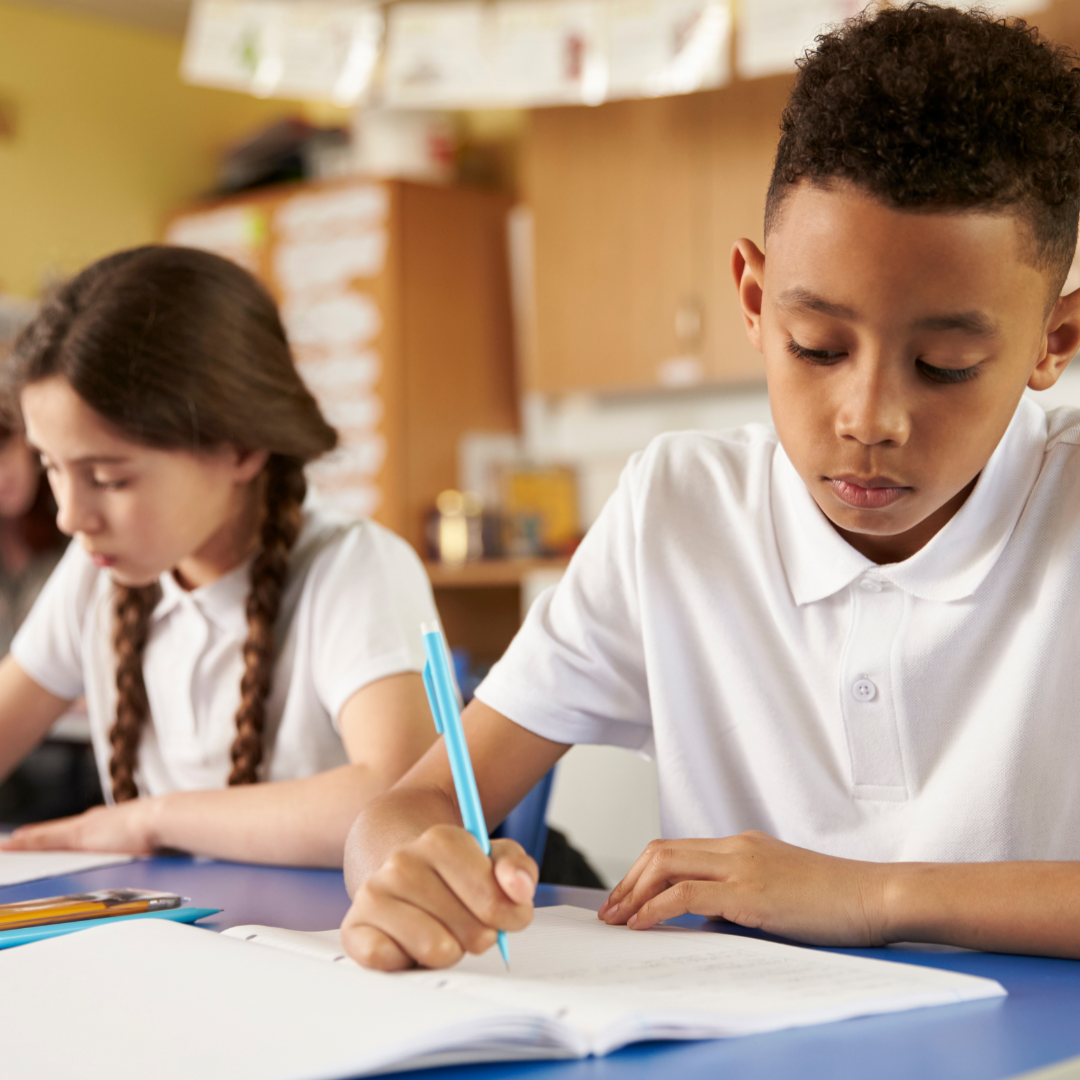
x: 222, y: 634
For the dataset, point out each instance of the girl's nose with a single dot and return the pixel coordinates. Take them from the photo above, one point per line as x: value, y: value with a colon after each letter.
x: 74, y: 514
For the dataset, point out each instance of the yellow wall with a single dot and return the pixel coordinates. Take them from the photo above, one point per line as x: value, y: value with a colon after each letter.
x: 108, y: 140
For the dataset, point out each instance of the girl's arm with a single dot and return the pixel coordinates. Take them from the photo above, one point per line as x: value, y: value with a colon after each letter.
x: 386, y: 726
x: 26, y: 713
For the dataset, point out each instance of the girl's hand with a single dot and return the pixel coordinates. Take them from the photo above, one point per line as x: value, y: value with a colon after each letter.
x: 124, y: 828
x: 757, y: 881
x: 438, y: 898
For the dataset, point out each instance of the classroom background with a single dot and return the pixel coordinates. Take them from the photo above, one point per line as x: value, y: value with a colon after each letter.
x: 498, y: 231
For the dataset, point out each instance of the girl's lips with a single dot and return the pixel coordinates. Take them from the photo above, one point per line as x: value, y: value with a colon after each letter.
x: 103, y: 561
x: 865, y: 497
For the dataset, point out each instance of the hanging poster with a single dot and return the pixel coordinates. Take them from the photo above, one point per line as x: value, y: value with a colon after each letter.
x: 319, y: 50
x: 656, y: 47
x: 773, y: 34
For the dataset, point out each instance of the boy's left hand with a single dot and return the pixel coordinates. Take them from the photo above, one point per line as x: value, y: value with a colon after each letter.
x: 755, y: 880
x: 123, y: 828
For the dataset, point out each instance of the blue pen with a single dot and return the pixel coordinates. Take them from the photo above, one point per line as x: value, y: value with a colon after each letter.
x: 444, y: 708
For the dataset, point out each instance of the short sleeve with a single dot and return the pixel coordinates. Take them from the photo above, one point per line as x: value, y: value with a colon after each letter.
x: 49, y: 645
x: 371, y: 595
x: 575, y: 672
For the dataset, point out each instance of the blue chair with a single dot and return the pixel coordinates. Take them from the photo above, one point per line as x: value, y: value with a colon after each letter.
x: 527, y: 822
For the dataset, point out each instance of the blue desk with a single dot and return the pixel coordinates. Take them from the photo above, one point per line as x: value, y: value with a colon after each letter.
x: 1037, y: 1024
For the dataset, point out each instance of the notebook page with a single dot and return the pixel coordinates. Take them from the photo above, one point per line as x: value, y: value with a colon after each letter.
x: 19, y: 866
x: 678, y: 983
x: 191, y: 1003
x: 316, y: 944
x: 616, y: 985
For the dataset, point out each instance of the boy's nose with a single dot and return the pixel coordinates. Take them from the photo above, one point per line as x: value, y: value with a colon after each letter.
x: 873, y: 411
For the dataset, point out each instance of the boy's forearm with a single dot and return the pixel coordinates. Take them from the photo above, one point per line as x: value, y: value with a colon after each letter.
x: 390, y: 822
x: 1016, y: 907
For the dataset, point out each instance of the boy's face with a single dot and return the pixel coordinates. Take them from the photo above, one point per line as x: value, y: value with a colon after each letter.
x: 897, y: 346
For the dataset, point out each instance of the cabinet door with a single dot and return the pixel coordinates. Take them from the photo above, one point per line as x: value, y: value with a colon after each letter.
x: 620, y: 201
x: 636, y: 206
x: 744, y: 125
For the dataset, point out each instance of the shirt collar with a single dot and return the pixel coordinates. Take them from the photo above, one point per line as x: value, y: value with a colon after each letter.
x: 222, y: 602
x: 818, y: 561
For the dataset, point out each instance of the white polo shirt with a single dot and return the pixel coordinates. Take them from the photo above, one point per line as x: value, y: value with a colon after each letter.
x: 924, y: 710
x: 350, y: 614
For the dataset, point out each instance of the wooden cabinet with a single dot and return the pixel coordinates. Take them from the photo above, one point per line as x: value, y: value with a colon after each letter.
x: 636, y: 205
x: 396, y: 299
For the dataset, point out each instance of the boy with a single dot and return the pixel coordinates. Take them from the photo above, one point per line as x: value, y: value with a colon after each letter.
x: 848, y: 642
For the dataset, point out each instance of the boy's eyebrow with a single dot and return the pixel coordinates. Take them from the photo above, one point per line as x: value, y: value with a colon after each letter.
x: 803, y: 299
x: 974, y: 323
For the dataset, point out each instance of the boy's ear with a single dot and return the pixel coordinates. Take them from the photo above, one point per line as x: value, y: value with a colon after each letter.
x: 1062, y: 342
x: 748, y: 269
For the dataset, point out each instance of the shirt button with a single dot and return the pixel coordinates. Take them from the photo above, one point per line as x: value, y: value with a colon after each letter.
x: 870, y: 584
x: 863, y: 690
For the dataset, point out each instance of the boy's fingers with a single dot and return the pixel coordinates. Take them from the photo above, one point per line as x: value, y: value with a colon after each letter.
x: 615, y: 897
x: 418, y: 935
x: 469, y: 874
x: 437, y: 898
x: 668, y: 866
x: 683, y: 898
x: 373, y: 949
x: 409, y: 880
x: 516, y: 873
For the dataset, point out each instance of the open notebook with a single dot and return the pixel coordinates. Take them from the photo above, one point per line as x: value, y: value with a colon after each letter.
x: 190, y: 1003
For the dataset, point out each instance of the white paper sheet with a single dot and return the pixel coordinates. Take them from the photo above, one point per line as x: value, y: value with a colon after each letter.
x: 19, y: 866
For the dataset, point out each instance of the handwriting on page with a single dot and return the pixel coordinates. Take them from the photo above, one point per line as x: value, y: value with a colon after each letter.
x: 568, y: 950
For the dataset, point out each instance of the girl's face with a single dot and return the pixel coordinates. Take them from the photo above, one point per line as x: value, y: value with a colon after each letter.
x: 19, y: 478
x: 137, y: 510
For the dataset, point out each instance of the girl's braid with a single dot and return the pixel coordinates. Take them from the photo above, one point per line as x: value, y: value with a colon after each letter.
x: 133, y: 609
x: 285, y: 490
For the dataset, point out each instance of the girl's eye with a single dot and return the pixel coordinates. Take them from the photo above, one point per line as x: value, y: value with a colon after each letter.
x: 109, y: 485
x: 947, y: 375
x: 823, y: 357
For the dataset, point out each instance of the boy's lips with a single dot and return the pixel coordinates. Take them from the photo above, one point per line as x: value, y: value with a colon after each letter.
x: 866, y: 493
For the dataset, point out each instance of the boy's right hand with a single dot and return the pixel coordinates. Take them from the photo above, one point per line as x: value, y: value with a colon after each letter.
x: 438, y: 898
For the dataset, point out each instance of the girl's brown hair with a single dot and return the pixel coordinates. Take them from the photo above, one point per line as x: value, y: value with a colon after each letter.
x: 183, y: 350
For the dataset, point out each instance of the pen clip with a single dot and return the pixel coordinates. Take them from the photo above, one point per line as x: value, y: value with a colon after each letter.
x: 433, y: 701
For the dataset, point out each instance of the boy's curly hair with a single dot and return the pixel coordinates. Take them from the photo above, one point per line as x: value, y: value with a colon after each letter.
x: 928, y: 107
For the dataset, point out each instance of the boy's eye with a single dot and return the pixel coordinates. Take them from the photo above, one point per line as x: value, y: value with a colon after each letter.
x: 817, y: 356
x: 947, y: 375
